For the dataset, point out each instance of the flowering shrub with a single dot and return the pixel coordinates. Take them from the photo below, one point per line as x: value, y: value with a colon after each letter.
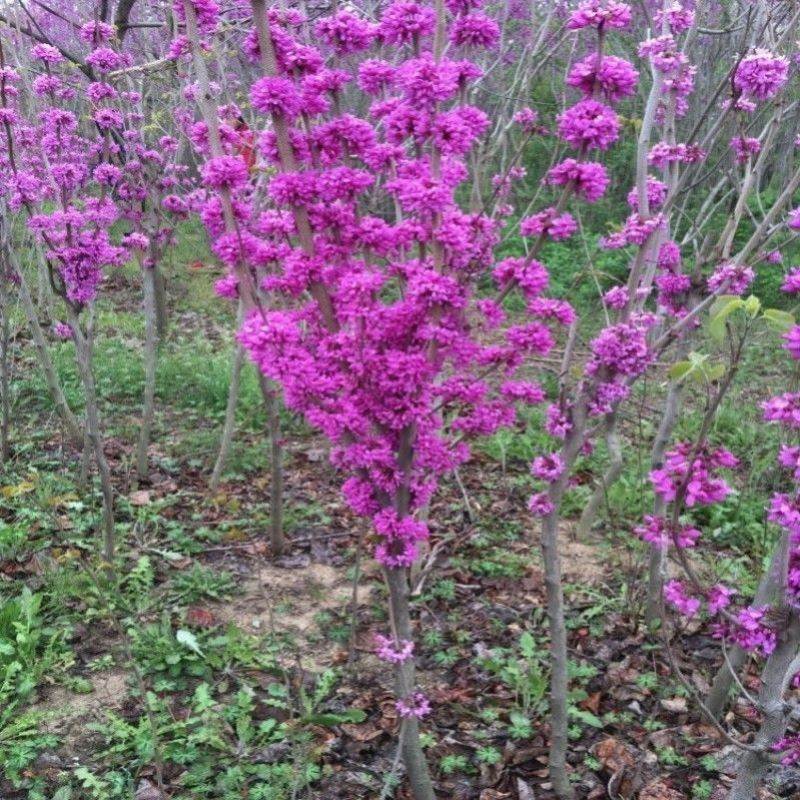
x: 358, y: 182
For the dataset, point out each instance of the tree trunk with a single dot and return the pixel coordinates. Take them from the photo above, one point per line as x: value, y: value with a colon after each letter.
x: 150, y: 358
x: 272, y: 403
x: 70, y: 421
x: 5, y: 381
x: 723, y: 680
x: 405, y: 685
x: 83, y: 358
x: 230, y: 420
x: 774, y: 680
x: 658, y: 555
x: 610, y: 477
x: 559, y: 683
x: 160, y: 292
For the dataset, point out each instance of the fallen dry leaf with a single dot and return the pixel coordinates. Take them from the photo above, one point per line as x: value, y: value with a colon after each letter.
x: 658, y: 790
x: 613, y: 755
x: 200, y: 617
x: 677, y: 705
x: 524, y: 790
x: 140, y: 498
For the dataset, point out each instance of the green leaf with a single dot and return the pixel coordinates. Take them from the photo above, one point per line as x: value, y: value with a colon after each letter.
x: 778, y: 320
x: 752, y: 306
x: 721, y: 309
x: 188, y: 640
x: 336, y: 718
x: 586, y: 717
x: 527, y: 645
x: 715, y: 372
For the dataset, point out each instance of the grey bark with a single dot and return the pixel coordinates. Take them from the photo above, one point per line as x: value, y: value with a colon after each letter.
x: 658, y: 555
x: 72, y: 427
x: 150, y: 363
x: 405, y: 685
x: 83, y: 359
x: 5, y: 365
x: 272, y: 403
x: 226, y: 439
x: 776, y: 676
x: 723, y: 680
x: 608, y: 479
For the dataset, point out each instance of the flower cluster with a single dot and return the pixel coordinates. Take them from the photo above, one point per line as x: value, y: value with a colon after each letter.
x: 392, y: 651
x: 691, y: 470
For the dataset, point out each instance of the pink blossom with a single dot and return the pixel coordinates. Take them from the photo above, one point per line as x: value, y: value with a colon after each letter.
x: 678, y: 18
x: 792, y: 342
x: 744, y: 147
x: 416, y: 705
x: 699, y: 484
x: 594, y: 13
x: 590, y: 125
x: 733, y: 278
x: 615, y: 77
x: 784, y: 408
x: 272, y: 95
x: 61, y: 330
x: 526, y: 118
x: 664, y: 52
x: 675, y: 594
x: 393, y: 651
x: 406, y: 20
x: 616, y: 297
x: 789, y: 748
x: 539, y: 505
x: 475, y: 30
x: 791, y: 282
x: 719, y: 597
x: 548, y: 468
x: 345, y: 32
x: 549, y: 223
x: 588, y: 178
x: 761, y: 74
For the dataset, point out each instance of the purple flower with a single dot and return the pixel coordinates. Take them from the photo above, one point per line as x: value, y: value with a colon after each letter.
x: 792, y: 342
x: 415, y: 705
x: 539, y: 505
x: 615, y: 77
x: 733, y: 278
x: 225, y: 172
x: 62, y: 331
x: 279, y: 96
x: 675, y: 594
x: 589, y: 178
x: 589, y: 125
x: 744, y: 147
x: 719, y: 597
x: 475, y: 30
x: 393, y: 651
x: 548, y: 468
x: 761, y: 74
x: 594, y: 13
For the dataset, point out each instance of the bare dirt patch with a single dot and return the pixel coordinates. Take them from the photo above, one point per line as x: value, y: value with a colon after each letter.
x: 66, y: 713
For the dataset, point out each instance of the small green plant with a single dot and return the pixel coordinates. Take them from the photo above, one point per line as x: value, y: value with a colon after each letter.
x: 522, y: 669
x: 14, y: 541
x: 488, y: 755
x: 702, y: 790
x: 670, y: 757
x: 455, y: 762
x: 201, y: 583
x: 519, y: 726
x: 28, y: 650
x: 21, y: 742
